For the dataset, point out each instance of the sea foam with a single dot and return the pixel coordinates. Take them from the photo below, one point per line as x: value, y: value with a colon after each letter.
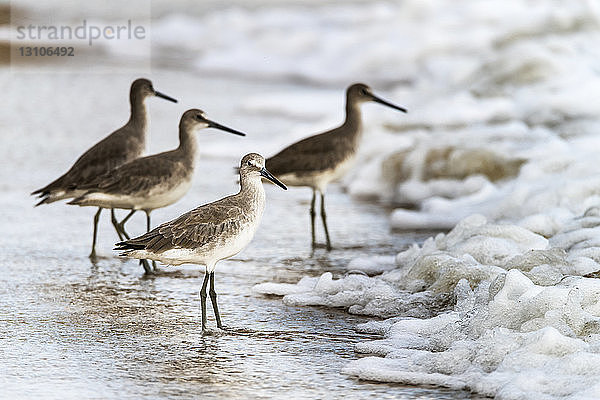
x: 499, y: 147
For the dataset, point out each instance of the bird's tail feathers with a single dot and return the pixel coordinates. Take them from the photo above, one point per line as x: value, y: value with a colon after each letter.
x: 47, y: 197
x: 78, y: 201
x: 128, y: 246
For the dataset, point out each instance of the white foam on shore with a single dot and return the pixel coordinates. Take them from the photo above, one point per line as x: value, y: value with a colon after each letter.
x: 500, y: 145
x: 500, y: 311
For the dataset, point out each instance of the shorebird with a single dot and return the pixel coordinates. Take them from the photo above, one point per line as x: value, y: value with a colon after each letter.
x: 123, y: 145
x: 317, y: 160
x: 151, y: 182
x: 209, y: 233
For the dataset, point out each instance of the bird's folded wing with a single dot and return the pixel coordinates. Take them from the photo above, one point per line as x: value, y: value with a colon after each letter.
x: 104, y: 156
x: 192, y: 229
x: 315, y: 153
x: 137, y: 176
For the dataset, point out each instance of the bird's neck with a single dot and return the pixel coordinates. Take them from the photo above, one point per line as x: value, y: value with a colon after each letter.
x: 139, y: 115
x: 353, y: 121
x: 187, y: 142
x: 252, y: 188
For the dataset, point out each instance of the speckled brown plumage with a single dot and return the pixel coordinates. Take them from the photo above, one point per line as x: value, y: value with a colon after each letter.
x: 316, y: 153
x: 209, y: 233
x: 320, y: 159
x: 138, y: 184
x: 122, y: 146
x: 194, y: 229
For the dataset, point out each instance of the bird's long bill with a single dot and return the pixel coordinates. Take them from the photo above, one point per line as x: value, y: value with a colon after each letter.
x: 164, y: 96
x: 270, y: 177
x: 213, y: 124
x: 387, y: 103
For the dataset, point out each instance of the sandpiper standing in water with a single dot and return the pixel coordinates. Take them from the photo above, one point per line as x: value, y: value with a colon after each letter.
x: 123, y: 145
x: 209, y: 233
x: 320, y: 159
x: 154, y: 181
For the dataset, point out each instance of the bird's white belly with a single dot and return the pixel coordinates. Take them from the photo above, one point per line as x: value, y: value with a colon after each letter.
x: 219, y: 248
x: 162, y: 197
x: 157, y: 198
x: 319, y: 179
x: 231, y: 246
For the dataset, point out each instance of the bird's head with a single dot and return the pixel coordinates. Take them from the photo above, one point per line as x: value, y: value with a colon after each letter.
x: 253, y: 165
x: 196, y: 119
x: 361, y: 93
x: 143, y: 87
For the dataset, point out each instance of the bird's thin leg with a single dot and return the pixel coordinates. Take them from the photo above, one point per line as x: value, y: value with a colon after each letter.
x: 148, y: 230
x: 147, y: 269
x: 125, y: 234
x: 324, y: 218
x: 213, y: 299
x: 96, y: 219
x: 121, y: 227
x: 203, y: 300
x: 312, y: 217
x: 113, y: 219
x: 122, y: 224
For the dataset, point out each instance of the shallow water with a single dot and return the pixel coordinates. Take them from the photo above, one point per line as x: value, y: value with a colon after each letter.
x: 102, y: 330
x: 77, y: 329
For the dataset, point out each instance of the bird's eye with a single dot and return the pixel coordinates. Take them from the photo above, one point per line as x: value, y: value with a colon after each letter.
x: 363, y: 91
x: 249, y: 162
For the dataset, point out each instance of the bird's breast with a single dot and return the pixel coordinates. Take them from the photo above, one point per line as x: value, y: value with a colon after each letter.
x: 319, y: 179
x: 165, y: 194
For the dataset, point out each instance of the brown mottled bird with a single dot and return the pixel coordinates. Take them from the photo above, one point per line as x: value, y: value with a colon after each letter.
x: 154, y: 181
x: 320, y: 159
x: 123, y: 145
x: 209, y: 233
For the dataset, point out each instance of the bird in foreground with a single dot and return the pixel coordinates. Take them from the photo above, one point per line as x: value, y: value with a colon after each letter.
x: 317, y: 160
x: 209, y: 233
x: 123, y: 145
x: 154, y: 181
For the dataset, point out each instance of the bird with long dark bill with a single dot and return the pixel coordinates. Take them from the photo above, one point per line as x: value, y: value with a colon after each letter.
x: 122, y: 146
x: 151, y: 182
x: 209, y: 233
x: 320, y: 159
